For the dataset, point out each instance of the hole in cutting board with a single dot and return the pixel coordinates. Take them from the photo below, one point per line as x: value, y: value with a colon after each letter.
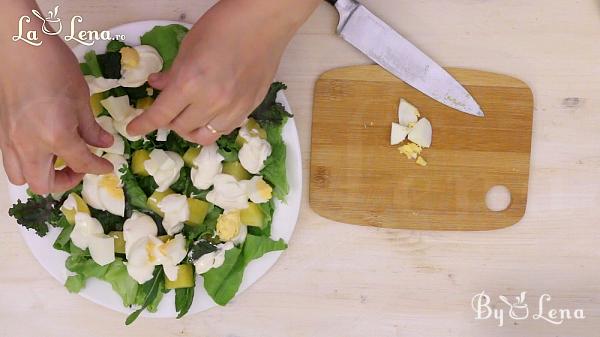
x: 498, y: 198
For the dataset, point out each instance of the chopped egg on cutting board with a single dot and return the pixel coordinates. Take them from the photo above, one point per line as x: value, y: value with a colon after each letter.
x: 164, y: 167
x: 407, y: 113
x: 399, y: 133
x: 417, y: 130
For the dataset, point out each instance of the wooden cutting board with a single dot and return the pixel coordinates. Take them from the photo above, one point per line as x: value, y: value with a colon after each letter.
x: 357, y: 177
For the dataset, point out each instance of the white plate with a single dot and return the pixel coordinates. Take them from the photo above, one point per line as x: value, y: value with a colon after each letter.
x: 284, y: 219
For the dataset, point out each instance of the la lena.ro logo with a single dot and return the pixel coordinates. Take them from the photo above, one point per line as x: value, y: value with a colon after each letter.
x: 519, y: 310
x: 84, y: 37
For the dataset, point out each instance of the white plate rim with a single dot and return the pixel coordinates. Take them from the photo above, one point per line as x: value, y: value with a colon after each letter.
x: 100, y: 292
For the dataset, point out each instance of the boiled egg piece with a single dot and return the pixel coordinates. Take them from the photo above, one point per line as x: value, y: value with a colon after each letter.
x: 212, y: 260
x: 241, y: 237
x: 228, y: 193
x: 117, y: 161
x: 118, y: 146
x: 176, y: 211
x: 121, y: 124
x: 407, y: 113
x: 88, y: 233
x: 141, y: 260
x: 138, y: 68
x: 72, y: 205
x: 162, y: 135
x: 258, y: 190
x: 100, y: 84
x: 206, y: 166
x: 254, y: 152
x: 104, y: 192
x: 148, y: 252
x: 399, y: 133
x: 117, y: 107
x: 85, y: 227
x: 421, y: 133
x: 170, y: 254
x: 102, y: 249
x: 228, y: 225
x: 164, y: 167
x: 138, y: 226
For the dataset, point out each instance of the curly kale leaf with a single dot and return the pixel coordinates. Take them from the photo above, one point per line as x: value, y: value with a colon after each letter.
x: 36, y: 213
x: 270, y: 110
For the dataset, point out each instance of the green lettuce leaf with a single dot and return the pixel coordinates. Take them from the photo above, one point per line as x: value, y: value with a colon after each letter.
x: 275, y: 169
x: 166, y: 40
x: 114, y: 273
x: 93, y: 67
x: 228, y: 147
x: 223, y: 283
x: 115, y: 46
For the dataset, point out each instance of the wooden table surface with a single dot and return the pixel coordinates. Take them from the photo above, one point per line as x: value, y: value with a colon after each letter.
x: 342, y: 280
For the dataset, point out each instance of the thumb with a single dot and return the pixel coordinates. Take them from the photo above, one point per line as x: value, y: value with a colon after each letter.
x: 91, y: 132
x: 159, y: 80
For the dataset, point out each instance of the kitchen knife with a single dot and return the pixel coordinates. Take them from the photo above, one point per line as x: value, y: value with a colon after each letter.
x: 384, y: 45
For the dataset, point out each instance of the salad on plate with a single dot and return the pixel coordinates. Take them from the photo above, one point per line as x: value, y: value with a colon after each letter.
x: 172, y: 214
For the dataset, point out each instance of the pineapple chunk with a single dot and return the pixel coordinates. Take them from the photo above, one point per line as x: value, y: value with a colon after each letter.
x: 137, y: 162
x: 253, y: 216
x: 185, y: 278
x: 198, y: 211
x: 156, y: 198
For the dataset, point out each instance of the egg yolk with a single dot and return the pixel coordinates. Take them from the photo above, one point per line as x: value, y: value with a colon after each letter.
x: 228, y: 225
x: 264, y: 189
x: 110, y: 183
x: 150, y: 251
x: 129, y: 57
x: 410, y: 150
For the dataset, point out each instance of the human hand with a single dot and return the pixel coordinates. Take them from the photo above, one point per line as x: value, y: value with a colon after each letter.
x: 44, y: 113
x: 225, y: 66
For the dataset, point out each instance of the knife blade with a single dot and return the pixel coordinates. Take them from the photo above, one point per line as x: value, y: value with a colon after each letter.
x: 380, y: 42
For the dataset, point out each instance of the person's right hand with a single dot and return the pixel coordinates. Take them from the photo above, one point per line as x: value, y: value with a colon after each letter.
x: 45, y: 113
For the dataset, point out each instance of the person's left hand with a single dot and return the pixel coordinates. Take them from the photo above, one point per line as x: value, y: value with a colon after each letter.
x: 225, y: 66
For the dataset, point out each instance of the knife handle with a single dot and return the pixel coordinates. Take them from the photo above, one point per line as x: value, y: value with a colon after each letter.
x: 332, y: 2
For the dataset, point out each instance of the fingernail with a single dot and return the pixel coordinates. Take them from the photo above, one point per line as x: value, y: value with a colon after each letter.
x: 107, y: 139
